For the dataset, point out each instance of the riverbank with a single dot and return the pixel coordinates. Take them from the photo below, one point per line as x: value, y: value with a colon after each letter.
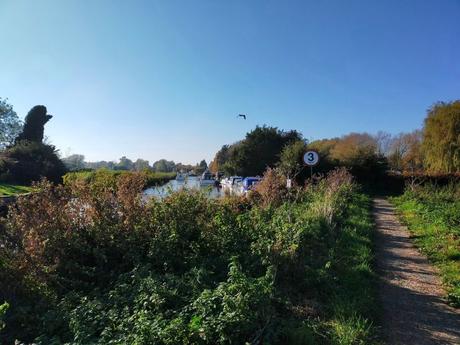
x: 151, y: 178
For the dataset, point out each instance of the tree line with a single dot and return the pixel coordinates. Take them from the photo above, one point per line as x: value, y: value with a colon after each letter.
x: 433, y: 149
x: 77, y: 162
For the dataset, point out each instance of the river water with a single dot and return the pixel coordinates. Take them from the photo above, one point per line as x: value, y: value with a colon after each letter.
x: 191, y: 182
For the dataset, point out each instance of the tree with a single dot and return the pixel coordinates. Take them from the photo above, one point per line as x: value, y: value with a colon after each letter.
x: 164, y: 165
x: 34, y: 125
x: 74, y: 162
x: 219, y: 159
x: 203, y: 164
x: 290, y: 163
x: 125, y: 164
x: 141, y: 164
x: 29, y: 159
x: 383, y: 141
x: 405, y: 152
x: 324, y: 148
x: 354, y: 149
x: 358, y: 152
x: 10, y: 125
x: 261, y: 148
x: 441, y: 138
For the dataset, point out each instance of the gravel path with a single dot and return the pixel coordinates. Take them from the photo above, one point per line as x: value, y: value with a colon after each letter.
x: 414, y: 311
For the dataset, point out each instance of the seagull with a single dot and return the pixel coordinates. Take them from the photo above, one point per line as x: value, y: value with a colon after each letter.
x: 242, y: 115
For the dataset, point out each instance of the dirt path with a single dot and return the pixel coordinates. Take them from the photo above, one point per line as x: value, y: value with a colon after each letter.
x: 414, y: 311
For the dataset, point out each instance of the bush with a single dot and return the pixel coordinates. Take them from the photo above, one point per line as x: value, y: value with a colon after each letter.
x: 26, y: 162
x: 93, y: 262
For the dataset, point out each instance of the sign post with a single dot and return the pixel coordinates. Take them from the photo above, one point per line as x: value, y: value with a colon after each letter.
x: 311, y: 158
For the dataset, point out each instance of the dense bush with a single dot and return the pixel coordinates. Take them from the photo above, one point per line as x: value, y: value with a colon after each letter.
x: 261, y: 148
x: 88, y: 176
x: 29, y: 161
x: 433, y: 214
x: 93, y: 262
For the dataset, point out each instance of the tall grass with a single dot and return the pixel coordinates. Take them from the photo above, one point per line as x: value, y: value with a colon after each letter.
x: 432, y: 214
x: 90, y: 262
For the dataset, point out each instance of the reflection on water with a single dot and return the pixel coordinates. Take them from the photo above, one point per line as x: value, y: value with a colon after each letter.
x: 191, y: 182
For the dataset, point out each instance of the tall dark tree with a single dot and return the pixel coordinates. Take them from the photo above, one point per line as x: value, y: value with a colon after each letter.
x: 34, y: 125
x: 261, y: 148
x: 203, y: 164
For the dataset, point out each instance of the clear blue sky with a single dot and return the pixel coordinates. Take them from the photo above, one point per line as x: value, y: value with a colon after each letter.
x: 166, y: 79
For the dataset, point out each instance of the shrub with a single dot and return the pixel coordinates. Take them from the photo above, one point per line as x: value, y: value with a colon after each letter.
x: 271, y: 190
x: 27, y: 161
x: 96, y: 263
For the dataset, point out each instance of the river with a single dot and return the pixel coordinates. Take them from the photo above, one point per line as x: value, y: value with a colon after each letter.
x: 191, y: 182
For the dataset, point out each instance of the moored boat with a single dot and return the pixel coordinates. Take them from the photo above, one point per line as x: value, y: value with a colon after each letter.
x: 207, y: 179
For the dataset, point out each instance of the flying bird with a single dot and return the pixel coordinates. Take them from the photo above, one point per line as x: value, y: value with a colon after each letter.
x: 242, y: 115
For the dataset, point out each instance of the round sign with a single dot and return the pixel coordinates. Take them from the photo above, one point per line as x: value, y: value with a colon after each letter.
x: 311, y: 158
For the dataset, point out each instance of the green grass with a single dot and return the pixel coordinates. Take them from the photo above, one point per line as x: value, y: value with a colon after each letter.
x: 10, y: 190
x: 353, y: 300
x: 433, y: 217
x: 152, y: 178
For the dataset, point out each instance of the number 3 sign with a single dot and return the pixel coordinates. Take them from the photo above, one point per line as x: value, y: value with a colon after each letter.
x: 311, y: 158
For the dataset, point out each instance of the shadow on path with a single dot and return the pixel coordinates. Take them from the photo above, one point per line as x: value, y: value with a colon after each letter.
x: 411, y: 293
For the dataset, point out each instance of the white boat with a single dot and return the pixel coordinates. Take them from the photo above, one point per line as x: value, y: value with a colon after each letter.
x: 206, y: 179
x: 180, y: 177
x: 234, y: 180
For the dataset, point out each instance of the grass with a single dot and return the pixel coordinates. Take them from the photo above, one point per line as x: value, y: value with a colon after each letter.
x: 433, y: 218
x: 11, y: 190
x: 353, y: 302
x: 152, y: 178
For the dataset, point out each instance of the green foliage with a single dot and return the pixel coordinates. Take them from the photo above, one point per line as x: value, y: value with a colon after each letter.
x: 141, y: 165
x: 433, y: 214
x: 291, y: 159
x: 34, y: 125
x: 441, y: 138
x: 219, y: 160
x: 10, y: 125
x: 29, y: 161
x: 99, y: 265
x: 3, y: 308
x: 358, y: 152
x: 124, y: 164
x: 164, y: 165
x: 88, y: 176
x: 74, y: 162
x: 261, y: 148
x: 9, y: 189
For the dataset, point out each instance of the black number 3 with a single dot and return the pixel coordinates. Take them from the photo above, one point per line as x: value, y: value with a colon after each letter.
x: 311, y: 157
